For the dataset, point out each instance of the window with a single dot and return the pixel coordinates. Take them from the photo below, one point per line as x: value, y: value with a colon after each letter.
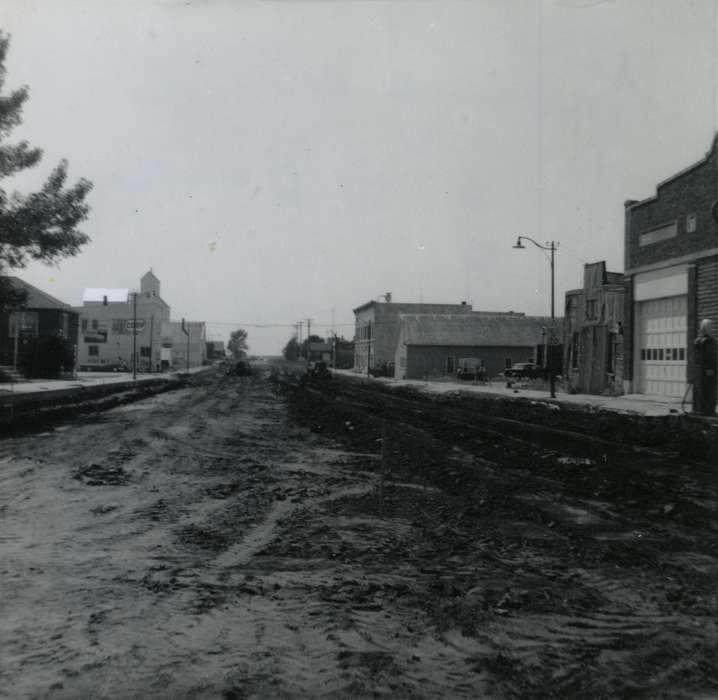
x: 144, y: 351
x: 94, y: 324
x: 691, y: 223
x: 449, y: 365
x: 93, y: 350
x: 508, y: 363
x: 83, y: 324
x: 591, y: 309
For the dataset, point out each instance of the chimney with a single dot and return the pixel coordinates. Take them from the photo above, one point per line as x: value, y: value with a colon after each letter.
x: 463, y: 303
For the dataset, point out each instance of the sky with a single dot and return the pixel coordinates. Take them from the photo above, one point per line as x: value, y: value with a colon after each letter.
x: 278, y: 161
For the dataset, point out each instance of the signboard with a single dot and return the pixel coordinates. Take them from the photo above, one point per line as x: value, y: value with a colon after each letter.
x: 96, y: 336
x: 138, y: 325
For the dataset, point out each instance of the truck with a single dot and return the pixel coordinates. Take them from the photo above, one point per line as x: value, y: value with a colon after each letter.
x: 470, y: 368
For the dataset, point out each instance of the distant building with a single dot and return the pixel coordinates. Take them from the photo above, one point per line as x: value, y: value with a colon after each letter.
x: 343, y: 353
x: 216, y: 350
x: 175, y: 344
x: 114, y: 321
x: 38, y: 339
x: 594, y: 332
x: 376, y: 329
x: 320, y: 352
x: 430, y: 345
x: 671, y: 263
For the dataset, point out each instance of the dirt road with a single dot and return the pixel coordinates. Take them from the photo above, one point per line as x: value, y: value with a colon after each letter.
x: 236, y: 539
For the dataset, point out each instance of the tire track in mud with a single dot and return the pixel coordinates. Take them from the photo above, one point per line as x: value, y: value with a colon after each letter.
x: 576, y: 600
x: 244, y: 556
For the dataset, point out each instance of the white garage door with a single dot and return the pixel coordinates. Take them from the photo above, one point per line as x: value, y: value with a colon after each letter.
x: 662, y: 346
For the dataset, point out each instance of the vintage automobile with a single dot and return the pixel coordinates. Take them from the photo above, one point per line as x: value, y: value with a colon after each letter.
x: 318, y: 370
x: 469, y: 368
x: 523, y: 370
x: 241, y: 368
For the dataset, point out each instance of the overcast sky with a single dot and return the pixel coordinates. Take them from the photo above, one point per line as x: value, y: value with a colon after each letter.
x: 273, y: 161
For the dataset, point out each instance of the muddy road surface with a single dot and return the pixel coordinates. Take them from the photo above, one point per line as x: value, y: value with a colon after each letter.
x: 257, y: 537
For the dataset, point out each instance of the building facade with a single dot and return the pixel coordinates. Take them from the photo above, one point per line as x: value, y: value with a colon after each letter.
x: 671, y: 262
x: 594, y: 332
x: 176, y: 344
x: 376, y: 329
x: 40, y: 338
x: 431, y: 345
x: 116, y: 323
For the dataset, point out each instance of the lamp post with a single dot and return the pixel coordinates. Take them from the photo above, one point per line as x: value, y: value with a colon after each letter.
x: 134, y: 336
x: 550, y: 246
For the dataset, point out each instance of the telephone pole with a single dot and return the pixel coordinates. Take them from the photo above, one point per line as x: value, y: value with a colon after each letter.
x: 309, y: 339
x: 134, y: 335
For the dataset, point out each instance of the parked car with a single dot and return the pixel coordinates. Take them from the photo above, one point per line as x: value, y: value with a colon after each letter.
x: 523, y: 370
x: 105, y: 367
x: 241, y: 368
x: 468, y: 368
x: 386, y: 369
x: 318, y: 370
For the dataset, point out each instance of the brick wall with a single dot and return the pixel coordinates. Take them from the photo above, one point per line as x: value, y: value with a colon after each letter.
x: 690, y: 193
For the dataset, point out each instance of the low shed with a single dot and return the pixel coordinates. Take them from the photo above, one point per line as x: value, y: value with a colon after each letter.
x: 430, y: 345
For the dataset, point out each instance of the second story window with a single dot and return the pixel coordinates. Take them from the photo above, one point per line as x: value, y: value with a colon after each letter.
x: 591, y: 309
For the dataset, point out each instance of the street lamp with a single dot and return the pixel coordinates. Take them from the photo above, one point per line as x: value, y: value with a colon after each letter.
x: 550, y: 246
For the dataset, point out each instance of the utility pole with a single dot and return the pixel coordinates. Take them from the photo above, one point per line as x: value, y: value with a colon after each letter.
x: 309, y: 340
x: 185, y: 330
x: 550, y: 246
x: 152, y: 332
x: 134, y: 335
x: 334, y: 350
x: 368, y: 351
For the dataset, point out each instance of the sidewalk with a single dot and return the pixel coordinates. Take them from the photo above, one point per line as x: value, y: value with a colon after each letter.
x: 86, y: 380
x: 635, y: 404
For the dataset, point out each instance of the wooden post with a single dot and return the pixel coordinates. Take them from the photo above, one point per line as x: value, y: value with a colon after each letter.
x: 382, y: 467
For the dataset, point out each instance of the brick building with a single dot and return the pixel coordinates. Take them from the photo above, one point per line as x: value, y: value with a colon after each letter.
x: 376, y: 329
x: 671, y: 271
x: 593, y: 332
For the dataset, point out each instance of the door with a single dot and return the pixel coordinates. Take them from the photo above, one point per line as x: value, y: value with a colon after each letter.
x: 662, y: 346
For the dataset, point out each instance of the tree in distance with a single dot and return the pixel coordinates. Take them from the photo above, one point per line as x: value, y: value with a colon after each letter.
x: 38, y: 226
x: 306, y: 342
x: 291, y: 349
x: 237, y: 344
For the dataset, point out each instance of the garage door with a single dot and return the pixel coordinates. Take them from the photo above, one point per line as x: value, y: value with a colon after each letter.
x: 662, y: 346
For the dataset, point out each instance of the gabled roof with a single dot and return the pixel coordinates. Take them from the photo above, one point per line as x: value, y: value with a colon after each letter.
x: 36, y: 298
x: 473, y: 329
x: 99, y: 294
